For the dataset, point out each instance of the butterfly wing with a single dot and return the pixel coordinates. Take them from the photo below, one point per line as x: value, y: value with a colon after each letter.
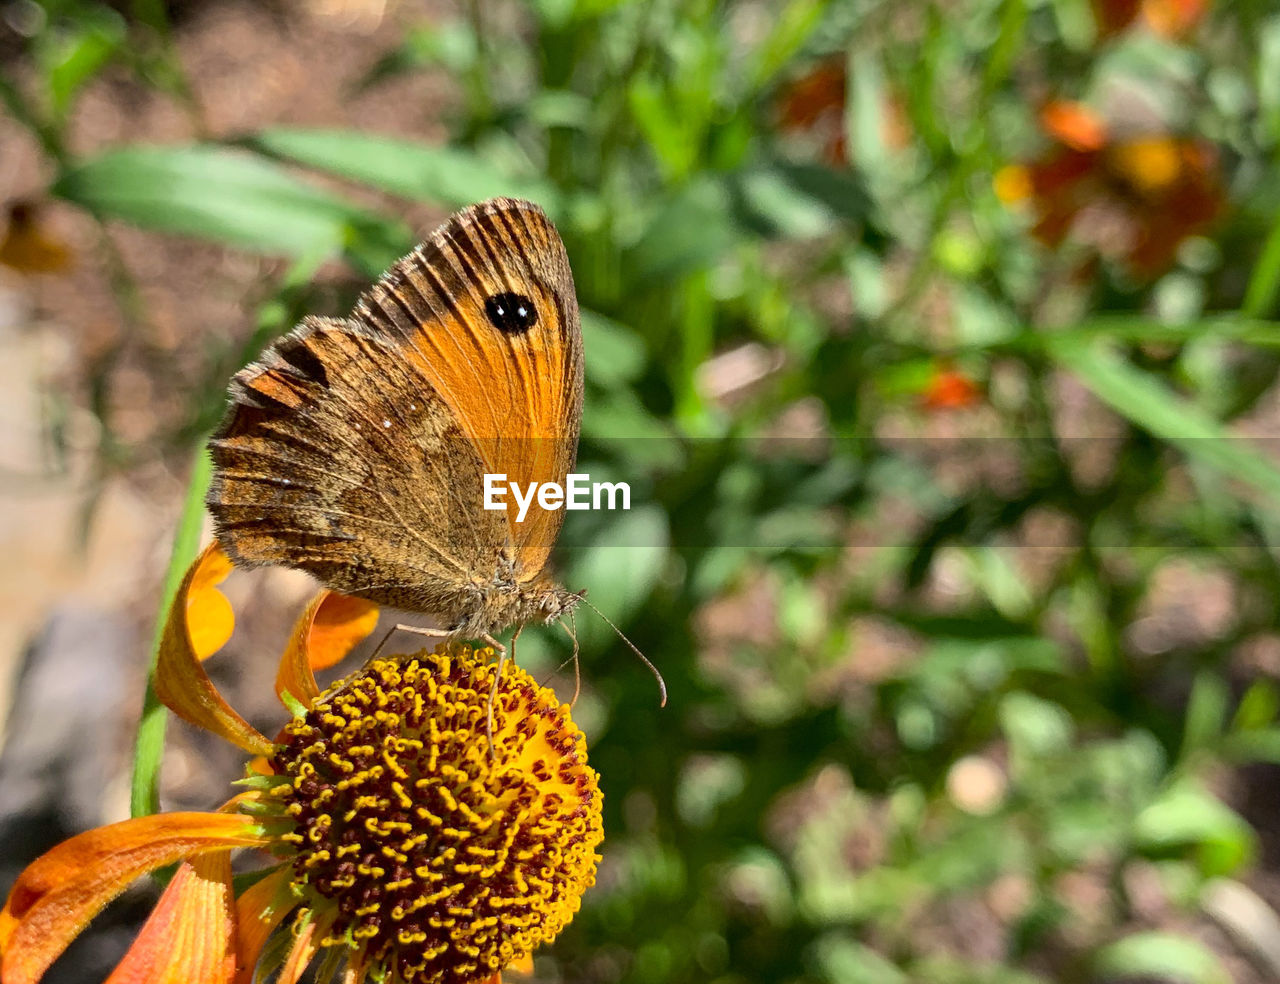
x: 336, y: 459
x: 513, y: 383
x: 355, y: 450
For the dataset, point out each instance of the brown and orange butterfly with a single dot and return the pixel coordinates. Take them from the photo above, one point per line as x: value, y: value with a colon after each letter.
x: 355, y: 449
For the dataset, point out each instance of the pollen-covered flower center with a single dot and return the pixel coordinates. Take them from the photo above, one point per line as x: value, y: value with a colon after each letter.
x: 430, y: 855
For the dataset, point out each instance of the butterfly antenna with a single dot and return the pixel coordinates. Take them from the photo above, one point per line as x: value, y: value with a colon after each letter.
x: 662, y: 684
x: 577, y: 664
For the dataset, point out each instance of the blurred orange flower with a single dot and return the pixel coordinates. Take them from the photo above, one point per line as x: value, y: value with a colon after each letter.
x: 1168, y: 18
x: 1134, y: 199
x: 814, y: 104
x: 950, y: 389
x: 403, y: 846
x: 27, y: 246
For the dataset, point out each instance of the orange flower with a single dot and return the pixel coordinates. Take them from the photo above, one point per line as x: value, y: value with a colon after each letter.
x: 1171, y: 19
x: 400, y: 845
x: 27, y: 247
x: 814, y: 104
x: 950, y: 389
x: 1134, y: 199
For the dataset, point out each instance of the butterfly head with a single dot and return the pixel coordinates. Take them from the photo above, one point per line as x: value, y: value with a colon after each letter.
x: 503, y: 605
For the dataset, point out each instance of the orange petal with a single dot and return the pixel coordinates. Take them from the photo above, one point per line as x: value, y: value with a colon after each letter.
x: 27, y: 247
x: 1013, y: 184
x: 181, y: 682
x: 331, y: 627
x: 304, y: 948
x: 1152, y: 165
x: 259, y: 910
x: 1075, y: 124
x: 1173, y: 18
x: 210, y: 620
x: 62, y: 890
x: 190, y: 936
x: 522, y: 966
x: 950, y: 389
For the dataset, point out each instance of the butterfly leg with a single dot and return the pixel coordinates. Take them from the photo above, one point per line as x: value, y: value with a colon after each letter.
x: 415, y: 629
x: 497, y: 678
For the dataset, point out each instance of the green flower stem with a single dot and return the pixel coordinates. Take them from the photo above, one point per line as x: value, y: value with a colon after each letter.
x: 144, y: 798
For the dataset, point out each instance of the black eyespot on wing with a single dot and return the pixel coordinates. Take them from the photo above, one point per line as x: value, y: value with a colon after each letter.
x: 511, y: 313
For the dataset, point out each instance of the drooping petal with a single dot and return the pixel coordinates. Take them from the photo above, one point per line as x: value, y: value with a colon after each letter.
x: 304, y: 948
x: 181, y: 682
x: 259, y: 910
x: 62, y: 890
x: 190, y: 937
x: 210, y: 620
x: 331, y: 627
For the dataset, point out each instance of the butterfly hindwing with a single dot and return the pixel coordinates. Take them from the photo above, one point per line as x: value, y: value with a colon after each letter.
x: 337, y: 459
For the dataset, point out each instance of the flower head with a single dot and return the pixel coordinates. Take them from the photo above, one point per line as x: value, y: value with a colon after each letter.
x: 28, y: 245
x: 401, y: 846
x: 419, y: 850
x: 1172, y: 19
x: 1133, y: 199
x: 950, y: 389
x: 814, y: 104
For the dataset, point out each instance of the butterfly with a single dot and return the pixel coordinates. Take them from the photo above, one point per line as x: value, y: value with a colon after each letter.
x: 355, y: 449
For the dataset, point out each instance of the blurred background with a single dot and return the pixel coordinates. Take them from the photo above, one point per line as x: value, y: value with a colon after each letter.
x: 939, y: 342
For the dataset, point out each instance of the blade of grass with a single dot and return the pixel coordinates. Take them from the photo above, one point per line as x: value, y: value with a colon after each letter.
x: 453, y: 176
x: 212, y: 192
x: 1151, y: 405
x: 1127, y: 328
x: 144, y: 797
x: 1264, y: 283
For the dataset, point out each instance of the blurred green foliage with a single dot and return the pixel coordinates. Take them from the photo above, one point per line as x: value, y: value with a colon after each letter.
x: 911, y: 735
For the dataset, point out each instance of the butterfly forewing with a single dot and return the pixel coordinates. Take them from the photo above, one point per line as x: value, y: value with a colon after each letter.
x: 516, y: 393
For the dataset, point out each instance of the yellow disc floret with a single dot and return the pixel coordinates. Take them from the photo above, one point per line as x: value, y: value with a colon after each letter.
x: 432, y: 855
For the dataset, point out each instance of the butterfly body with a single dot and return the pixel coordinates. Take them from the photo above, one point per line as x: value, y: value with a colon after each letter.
x: 355, y: 449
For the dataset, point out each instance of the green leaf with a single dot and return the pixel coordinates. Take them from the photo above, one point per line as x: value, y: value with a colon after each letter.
x: 1034, y: 727
x: 619, y: 569
x: 451, y: 46
x: 219, y: 194
x: 1206, y: 713
x: 1163, y: 956
x: 1258, y: 707
x: 449, y: 175
x: 1261, y: 295
x: 614, y: 353
x: 668, y: 134
x: 1151, y: 405
x: 790, y: 28
x: 77, y: 56
x: 1188, y: 815
x: 768, y: 198
x: 1249, y: 331
x: 689, y: 232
